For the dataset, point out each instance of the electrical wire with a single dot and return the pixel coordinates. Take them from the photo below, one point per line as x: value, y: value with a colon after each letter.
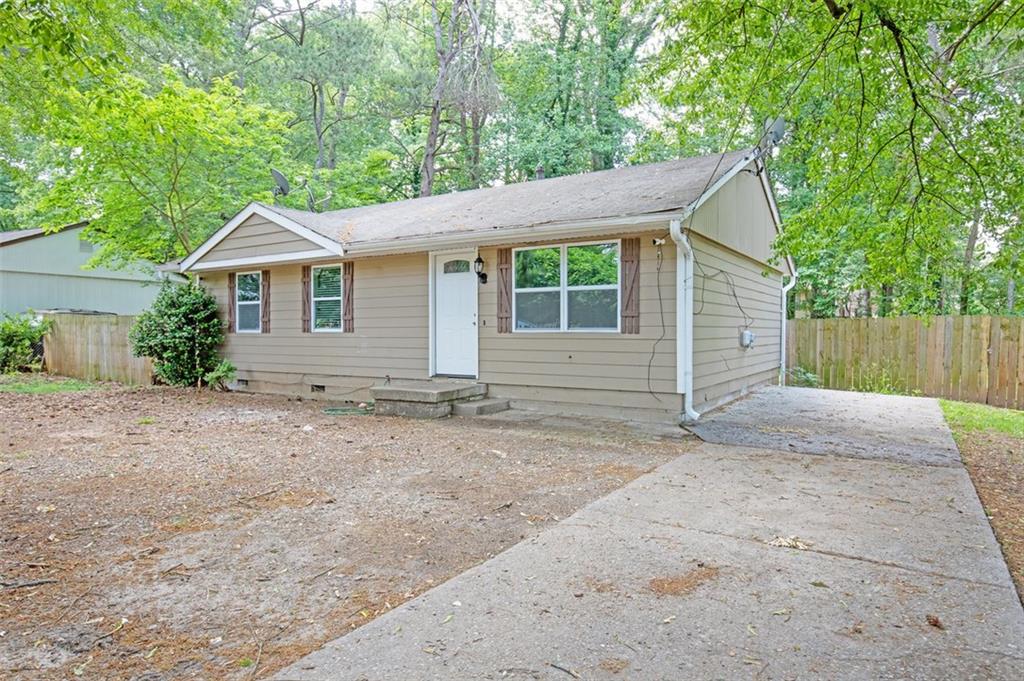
x: 730, y: 287
x: 661, y: 311
x: 748, y: 320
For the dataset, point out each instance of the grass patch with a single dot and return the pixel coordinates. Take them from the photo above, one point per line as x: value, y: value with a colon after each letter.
x: 41, y: 384
x: 966, y: 417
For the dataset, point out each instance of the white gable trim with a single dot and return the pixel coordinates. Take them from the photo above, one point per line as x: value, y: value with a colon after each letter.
x: 769, y: 194
x: 691, y: 210
x: 332, y: 247
x: 277, y: 259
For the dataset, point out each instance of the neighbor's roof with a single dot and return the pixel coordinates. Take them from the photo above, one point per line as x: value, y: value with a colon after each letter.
x: 621, y: 192
x: 18, y: 235
x: 8, y: 238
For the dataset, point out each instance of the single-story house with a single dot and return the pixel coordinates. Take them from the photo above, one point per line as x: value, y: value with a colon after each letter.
x: 42, y: 270
x: 645, y: 291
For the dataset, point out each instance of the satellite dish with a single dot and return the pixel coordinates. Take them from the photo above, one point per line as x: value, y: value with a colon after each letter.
x: 282, y: 183
x: 774, y: 131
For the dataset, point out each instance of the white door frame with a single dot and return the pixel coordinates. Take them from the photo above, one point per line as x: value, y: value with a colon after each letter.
x: 432, y: 257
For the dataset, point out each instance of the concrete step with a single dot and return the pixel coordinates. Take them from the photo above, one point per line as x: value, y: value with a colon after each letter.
x: 433, y: 392
x: 490, y: 405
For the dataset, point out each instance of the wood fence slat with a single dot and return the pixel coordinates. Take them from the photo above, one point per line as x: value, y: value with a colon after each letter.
x: 971, y: 358
x: 1015, y: 359
x: 1019, y: 388
x: 94, y: 348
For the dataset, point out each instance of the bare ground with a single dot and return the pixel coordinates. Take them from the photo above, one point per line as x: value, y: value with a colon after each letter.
x: 159, y: 533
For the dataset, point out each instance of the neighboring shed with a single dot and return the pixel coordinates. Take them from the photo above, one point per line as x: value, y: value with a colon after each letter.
x: 46, y: 270
x: 585, y: 300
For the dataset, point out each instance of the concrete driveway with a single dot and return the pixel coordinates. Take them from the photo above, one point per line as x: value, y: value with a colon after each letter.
x: 867, y: 557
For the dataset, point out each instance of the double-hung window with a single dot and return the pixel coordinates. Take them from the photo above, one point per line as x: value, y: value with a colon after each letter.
x: 326, y: 294
x: 572, y: 287
x: 248, y: 303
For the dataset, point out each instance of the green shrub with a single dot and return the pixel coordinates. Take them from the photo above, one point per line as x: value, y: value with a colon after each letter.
x: 19, y: 335
x: 804, y: 378
x: 878, y: 378
x: 181, y: 333
x: 220, y: 375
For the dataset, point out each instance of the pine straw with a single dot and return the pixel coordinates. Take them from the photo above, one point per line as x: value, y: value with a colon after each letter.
x: 234, y: 540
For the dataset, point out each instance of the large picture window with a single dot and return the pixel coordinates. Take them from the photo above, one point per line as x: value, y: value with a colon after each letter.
x: 573, y: 287
x: 248, y: 304
x: 326, y: 292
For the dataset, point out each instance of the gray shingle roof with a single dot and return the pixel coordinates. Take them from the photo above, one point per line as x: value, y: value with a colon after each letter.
x: 620, y: 192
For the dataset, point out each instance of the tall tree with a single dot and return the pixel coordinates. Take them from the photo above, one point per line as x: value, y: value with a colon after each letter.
x: 898, y: 114
x: 566, y: 85
x: 463, y: 73
x: 157, y: 173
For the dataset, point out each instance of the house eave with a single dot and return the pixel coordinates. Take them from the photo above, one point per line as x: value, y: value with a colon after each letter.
x: 506, y: 235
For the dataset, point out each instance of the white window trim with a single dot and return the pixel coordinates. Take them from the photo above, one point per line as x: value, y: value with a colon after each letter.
x: 563, y: 288
x: 313, y: 299
x: 239, y: 303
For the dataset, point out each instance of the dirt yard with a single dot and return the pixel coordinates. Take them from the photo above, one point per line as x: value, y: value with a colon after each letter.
x: 992, y: 444
x: 158, y: 533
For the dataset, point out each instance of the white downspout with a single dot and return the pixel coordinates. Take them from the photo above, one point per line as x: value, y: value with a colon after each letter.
x: 782, y: 343
x: 684, y: 318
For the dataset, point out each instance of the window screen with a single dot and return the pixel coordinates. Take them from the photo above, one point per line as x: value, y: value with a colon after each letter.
x: 326, y: 290
x: 571, y: 287
x: 247, y: 301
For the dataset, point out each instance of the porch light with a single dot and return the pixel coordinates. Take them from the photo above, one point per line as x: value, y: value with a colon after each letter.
x: 478, y: 267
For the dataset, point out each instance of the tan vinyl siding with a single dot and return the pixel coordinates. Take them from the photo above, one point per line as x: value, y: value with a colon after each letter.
x: 739, y: 217
x: 257, y: 237
x: 592, y: 369
x: 721, y: 368
x: 390, y: 336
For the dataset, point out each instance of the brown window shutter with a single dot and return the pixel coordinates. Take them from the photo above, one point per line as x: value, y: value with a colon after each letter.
x: 504, y: 290
x: 630, y: 263
x: 265, y: 301
x: 307, y: 273
x: 231, y: 302
x: 348, y: 271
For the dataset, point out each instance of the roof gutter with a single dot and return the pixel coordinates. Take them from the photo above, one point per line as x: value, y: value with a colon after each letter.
x: 684, y: 292
x: 505, y: 235
x: 684, y: 320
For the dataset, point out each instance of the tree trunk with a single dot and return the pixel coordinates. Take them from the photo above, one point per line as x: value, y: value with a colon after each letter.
x: 430, y: 150
x: 966, y: 283
x: 885, y: 305
x: 318, y: 123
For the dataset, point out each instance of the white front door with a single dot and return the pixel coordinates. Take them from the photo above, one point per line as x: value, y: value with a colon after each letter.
x: 455, y: 332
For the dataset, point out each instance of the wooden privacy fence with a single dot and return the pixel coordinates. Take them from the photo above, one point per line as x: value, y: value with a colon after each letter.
x: 94, y: 347
x: 974, y: 359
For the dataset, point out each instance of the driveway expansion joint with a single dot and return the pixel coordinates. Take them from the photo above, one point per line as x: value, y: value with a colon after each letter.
x: 822, y: 552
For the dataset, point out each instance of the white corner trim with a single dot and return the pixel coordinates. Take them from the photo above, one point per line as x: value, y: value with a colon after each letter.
x: 331, y: 246
x: 277, y: 259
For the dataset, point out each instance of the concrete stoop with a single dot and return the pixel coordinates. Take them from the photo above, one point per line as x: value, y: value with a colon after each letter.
x: 482, y: 407
x: 433, y: 399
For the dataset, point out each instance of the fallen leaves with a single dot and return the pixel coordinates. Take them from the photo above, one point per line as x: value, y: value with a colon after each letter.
x: 681, y: 585
x: 791, y: 542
